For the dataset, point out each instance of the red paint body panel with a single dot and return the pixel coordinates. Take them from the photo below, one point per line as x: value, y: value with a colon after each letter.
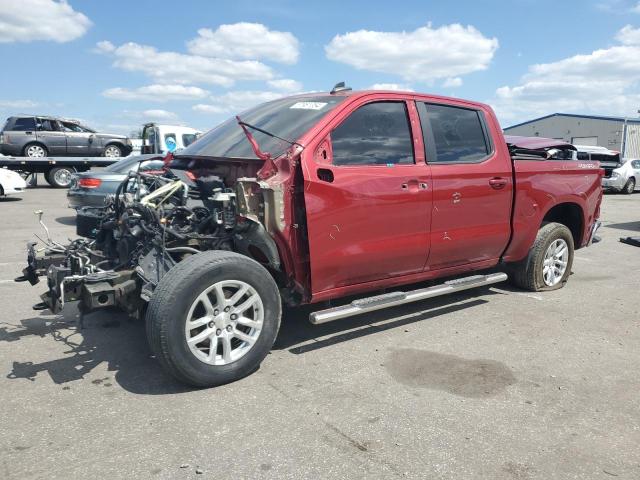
x: 364, y: 234
x: 353, y: 229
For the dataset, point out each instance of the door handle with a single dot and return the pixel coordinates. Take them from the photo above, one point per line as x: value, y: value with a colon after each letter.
x: 498, y: 183
x: 325, y: 175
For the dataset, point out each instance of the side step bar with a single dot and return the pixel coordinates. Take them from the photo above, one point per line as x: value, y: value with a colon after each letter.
x: 394, y: 299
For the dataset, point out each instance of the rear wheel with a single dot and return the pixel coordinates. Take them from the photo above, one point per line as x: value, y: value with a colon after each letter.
x: 59, y: 177
x: 35, y: 150
x: 548, y: 265
x: 629, y: 187
x: 213, y: 318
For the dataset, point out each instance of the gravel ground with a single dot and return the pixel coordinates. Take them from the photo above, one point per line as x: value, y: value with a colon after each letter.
x: 495, y: 383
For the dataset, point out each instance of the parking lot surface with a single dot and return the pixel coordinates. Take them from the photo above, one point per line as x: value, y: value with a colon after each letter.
x: 495, y: 383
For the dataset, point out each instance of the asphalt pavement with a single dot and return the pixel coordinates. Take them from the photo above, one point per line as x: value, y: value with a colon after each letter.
x: 496, y: 383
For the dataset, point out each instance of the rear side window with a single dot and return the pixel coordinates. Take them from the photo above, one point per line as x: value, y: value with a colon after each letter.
x: 456, y: 135
x: 24, y: 124
x: 375, y: 134
x: 583, y: 156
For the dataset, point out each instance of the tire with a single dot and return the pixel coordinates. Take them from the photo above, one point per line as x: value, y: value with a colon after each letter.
x: 529, y: 274
x: 35, y: 150
x: 112, y: 150
x: 59, y: 177
x: 629, y: 187
x: 178, y: 300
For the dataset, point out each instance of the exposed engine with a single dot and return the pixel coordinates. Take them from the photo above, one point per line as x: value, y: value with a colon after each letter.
x: 149, y: 225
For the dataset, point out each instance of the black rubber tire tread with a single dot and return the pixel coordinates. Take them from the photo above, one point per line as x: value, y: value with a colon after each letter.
x: 527, y: 274
x: 626, y: 189
x: 49, y: 176
x: 173, y: 297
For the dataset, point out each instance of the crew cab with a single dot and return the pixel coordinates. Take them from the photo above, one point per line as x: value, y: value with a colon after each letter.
x: 317, y: 197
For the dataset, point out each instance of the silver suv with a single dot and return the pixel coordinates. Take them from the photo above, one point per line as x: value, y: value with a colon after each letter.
x: 33, y: 136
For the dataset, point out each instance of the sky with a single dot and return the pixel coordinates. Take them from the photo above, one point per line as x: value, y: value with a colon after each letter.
x: 115, y: 65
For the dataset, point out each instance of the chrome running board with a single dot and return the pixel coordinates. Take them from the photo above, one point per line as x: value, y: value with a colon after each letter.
x: 393, y: 299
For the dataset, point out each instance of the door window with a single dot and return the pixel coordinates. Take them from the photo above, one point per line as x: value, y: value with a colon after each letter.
x: 455, y: 135
x: 375, y: 134
x: 47, y: 125
x: 24, y: 124
x: 636, y: 164
x: 73, y: 127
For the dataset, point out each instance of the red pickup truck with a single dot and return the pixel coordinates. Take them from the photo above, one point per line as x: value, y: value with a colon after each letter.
x: 317, y: 197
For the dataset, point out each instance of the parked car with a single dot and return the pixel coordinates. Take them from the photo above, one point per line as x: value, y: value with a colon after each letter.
x: 317, y: 197
x: 89, y: 189
x: 11, y: 182
x: 40, y: 136
x: 625, y: 178
x: 609, y: 159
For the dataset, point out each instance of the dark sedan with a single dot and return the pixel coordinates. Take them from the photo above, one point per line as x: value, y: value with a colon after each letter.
x: 89, y: 189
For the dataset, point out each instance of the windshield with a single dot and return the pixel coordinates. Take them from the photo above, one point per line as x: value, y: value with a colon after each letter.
x: 288, y: 118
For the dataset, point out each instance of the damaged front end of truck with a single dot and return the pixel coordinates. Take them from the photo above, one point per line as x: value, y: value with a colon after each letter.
x: 131, y: 243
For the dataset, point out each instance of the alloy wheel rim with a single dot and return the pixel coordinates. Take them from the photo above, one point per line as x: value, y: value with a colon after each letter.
x: 556, y: 259
x: 631, y: 187
x: 224, y: 322
x: 112, y: 152
x: 62, y: 177
x: 35, y: 151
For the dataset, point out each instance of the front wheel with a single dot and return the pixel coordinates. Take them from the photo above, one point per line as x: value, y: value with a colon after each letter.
x: 213, y: 318
x: 548, y: 265
x: 629, y: 187
x: 112, y: 151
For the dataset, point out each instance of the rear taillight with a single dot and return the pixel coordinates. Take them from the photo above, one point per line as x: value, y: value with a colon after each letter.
x: 89, y: 182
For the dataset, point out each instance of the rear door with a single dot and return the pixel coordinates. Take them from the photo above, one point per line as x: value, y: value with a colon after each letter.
x: 472, y: 186
x: 367, y: 197
x: 50, y: 134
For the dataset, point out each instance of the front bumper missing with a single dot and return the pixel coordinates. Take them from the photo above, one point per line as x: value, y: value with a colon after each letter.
x: 93, y: 291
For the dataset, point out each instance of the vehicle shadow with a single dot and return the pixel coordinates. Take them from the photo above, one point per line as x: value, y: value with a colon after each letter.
x: 298, y: 336
x: 7, y: 199
x: 107, y: 337
x: 70, y: 220
x: 110, y: 337
x: 633, y: 226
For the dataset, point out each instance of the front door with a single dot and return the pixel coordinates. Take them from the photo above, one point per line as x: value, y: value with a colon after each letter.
x: 472, y: 186
x: 367, y: 198
x: 50, y: 134
x: 80, y: 142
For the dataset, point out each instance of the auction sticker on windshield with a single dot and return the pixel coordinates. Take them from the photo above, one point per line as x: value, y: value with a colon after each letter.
x: 308, y: 105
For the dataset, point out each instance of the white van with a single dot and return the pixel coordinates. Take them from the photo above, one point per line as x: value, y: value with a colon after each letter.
x: 154, y: 137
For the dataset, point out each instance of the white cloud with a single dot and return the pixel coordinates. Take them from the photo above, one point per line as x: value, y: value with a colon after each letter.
x: 29, y: 20
x: 636, y: 9
x: 157, y: 93
x: 18, y: 104
x: 452, y: 82
x: 390, y: 86
x: 629, y: 35
x: 236, y: 101
x: 602, y: 82
x: 104, y: 46
x: 174, y: 67
x: 422, y: 55
x: 285, y: 85
x: 158, y: 115
x: 246, y: 41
